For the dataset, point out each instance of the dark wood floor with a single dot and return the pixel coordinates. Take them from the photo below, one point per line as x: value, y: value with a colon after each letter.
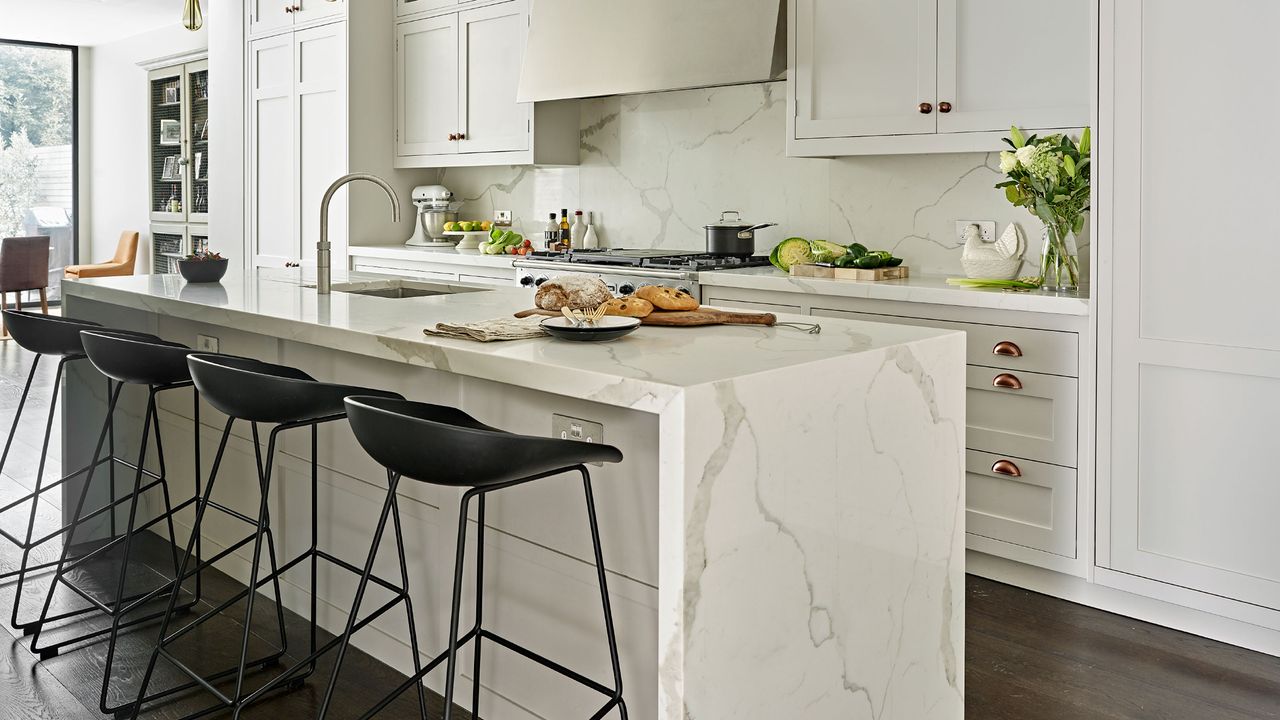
x: 1028, y: 656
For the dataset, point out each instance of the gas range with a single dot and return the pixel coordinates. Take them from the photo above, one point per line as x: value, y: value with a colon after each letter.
x: 626, y: 270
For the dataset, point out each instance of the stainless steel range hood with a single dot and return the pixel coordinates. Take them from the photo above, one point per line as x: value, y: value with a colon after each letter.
x: 586, y: 48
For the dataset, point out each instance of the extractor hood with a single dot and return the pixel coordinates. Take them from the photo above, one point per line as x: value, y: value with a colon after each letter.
x: 587, y: 48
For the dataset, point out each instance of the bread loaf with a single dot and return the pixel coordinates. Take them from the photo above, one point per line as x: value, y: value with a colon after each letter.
x: 665, y: 298
x: 629, y: 306
x: 574, y: 291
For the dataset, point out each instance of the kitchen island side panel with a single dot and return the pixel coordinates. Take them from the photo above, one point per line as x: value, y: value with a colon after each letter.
x: 823, y: 564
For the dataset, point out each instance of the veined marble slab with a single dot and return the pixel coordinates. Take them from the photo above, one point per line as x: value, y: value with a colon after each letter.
x: 931, y: 289
x: 443, y: 255
x: 811, y: 487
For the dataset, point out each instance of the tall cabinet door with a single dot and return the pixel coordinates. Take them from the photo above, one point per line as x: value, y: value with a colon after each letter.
x: 312, y: 10
x: 864, y: 67
x: 491, y: 48
x: 320, y: 116
x: 1013, y: 62
x: 273, y: 205
x: 1190, y: 381
x: 427, y: 80
x: 267, y: 16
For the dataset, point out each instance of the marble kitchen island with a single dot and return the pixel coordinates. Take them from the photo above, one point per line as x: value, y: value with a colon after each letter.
x: 785, y: 537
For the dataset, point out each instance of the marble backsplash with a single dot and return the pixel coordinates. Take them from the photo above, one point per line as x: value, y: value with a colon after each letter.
x: 655, y: 168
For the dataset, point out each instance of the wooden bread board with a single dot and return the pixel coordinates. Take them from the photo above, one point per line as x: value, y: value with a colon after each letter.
x: 686, y: 318
x: 835, y: 273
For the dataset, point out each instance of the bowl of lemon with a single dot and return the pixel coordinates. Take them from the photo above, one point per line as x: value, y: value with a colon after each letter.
x: 468, y: 233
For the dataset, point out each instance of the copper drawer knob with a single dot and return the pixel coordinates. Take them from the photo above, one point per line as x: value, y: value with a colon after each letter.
x: 926, y: 108
x: 453, y: 136
x: 944, y: 107
x: 462, y: 136
x: 1007, y: 381
x: 1005, y: 467
x: 1007, y: 349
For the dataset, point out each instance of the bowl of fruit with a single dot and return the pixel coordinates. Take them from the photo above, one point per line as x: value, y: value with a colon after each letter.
x: 203, y: 267
x: 468, y: 233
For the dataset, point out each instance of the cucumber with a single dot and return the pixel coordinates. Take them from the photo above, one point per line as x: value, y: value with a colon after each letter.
x: 793, y: 251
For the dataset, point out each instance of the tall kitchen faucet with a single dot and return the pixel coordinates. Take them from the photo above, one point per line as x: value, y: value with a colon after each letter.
x: 323, y: 271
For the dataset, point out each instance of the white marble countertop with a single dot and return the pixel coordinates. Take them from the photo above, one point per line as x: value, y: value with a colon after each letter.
x: 445, y: 255
x: 921, y: 289
x: 653, y: 361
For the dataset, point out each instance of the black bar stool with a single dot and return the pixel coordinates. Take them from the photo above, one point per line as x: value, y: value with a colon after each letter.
x: 125, y: 358
x: 287, y: 398
x: 44, y: 335
x: 445, y: 446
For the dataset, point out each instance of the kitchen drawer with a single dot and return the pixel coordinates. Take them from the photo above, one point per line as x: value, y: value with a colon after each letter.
x: 748, y: 305
x: 1034, y: 417
x: 1030, y: 504
x: 486, y: 278
x: 1044, y: 351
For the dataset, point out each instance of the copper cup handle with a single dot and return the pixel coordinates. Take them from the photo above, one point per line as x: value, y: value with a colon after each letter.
x: 1007, y: 381
x: 1006, y: 467
x: 1007, y: 349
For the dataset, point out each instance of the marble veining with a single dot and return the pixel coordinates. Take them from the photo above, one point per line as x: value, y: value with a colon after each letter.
x: 655, y: 168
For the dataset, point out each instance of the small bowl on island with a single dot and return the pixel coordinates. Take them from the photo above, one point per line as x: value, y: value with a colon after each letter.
x: 203, y: 267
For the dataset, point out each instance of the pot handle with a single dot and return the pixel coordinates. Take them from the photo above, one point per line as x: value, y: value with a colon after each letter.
x: 753, y: 228
x: 724, y: 216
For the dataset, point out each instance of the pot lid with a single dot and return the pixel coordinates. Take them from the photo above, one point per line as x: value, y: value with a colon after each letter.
x: 729, y: 219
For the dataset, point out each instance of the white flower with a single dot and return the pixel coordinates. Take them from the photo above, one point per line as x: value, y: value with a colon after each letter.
x: 1027, y: 155
x: 1008, y: 162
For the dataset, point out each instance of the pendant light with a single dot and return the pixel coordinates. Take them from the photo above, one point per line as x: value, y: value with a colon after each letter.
x: 192, y: 18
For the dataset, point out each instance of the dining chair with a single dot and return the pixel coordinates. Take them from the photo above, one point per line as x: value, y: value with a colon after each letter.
x: 24, y: 265
x: 121, y: 264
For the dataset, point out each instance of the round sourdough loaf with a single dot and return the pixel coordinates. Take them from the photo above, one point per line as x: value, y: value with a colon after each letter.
x: 574, y: 291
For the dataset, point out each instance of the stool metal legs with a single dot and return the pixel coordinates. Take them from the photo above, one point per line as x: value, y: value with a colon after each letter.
x: 478, y: 633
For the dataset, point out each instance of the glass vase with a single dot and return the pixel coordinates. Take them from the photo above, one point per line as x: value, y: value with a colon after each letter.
x: 1059, y: 261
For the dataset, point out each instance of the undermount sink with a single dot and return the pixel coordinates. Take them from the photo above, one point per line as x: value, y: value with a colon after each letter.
x: 401, y: 289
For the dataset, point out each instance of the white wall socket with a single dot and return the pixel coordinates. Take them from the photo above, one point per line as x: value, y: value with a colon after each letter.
x: 571, y: 428
x: 207, y: 343
x: 502, y: 217
x: 986, y: 229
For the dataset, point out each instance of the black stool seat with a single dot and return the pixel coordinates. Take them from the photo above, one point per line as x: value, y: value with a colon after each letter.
x: 446, y: 446
x: 47, y: 334
x: 258, y: 391
x: 136, y: 358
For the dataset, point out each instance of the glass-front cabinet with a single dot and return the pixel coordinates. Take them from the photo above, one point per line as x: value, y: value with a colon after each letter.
x: 178, y: 136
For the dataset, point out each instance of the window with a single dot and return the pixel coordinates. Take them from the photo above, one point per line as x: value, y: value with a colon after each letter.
x: 38, y: 149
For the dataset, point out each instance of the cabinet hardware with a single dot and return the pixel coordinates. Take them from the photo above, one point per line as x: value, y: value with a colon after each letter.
x: 288, y: 8
x: 453, y: 136
x: 926, y: 108
x: 1007, y: 349
x: 462, y: 136
x: 1006, y: 467
x: 1007, y: 381
x: 944, y: 107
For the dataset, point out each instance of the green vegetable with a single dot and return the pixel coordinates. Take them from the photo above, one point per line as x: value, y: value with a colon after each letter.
x: 893, y: 262
x: 1019, y: 284
x: 773, y: 257
x: 847, y: 261
x: 495, y: 234
x: 824, y: 251
x: 793, y: 251
x: 856, y: 249
x: 870, y: 261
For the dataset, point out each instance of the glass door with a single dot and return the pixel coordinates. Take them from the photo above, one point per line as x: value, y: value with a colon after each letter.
x: 38, y: 151
x: 168, y: 146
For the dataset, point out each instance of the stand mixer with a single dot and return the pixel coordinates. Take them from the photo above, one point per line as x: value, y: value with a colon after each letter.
x: 436, y: 207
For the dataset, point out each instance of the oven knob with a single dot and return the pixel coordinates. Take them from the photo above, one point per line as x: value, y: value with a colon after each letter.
x: 626, y: 288
x: 684, y: 290
x: 526, y: 280
x: 541, y: 279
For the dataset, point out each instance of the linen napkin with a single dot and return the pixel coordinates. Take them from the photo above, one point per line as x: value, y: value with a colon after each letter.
x: 494, y: 330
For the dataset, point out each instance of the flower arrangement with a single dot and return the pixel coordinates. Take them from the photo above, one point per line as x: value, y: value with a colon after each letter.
x: 1050, y: 177
x: 203, y: 256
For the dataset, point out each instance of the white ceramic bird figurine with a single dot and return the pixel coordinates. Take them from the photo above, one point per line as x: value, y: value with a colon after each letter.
x: 1000, y: 260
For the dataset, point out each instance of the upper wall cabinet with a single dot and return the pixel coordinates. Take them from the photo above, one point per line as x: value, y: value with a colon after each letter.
x: 267, y: 17
x: 456, y: 81
x: 908, y: 76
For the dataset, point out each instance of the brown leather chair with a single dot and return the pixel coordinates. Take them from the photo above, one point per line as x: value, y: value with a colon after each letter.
x: 121, y: 264
x: 24, y: 265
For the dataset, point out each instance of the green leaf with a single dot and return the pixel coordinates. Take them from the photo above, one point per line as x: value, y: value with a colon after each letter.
x: 1009, y: 142
x: 1044, y: 212
x: 1078, y: 226
x: 1006, y: 183
x: 1069, y: 165
x: 1085, y: 142
x: 1018, y: 139
x: 1011, y: 194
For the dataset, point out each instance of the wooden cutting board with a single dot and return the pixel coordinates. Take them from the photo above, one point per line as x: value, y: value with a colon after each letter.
x: 688, y: 318
x: 834, y: 273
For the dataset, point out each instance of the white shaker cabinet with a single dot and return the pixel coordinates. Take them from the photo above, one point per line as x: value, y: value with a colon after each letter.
x: 456, y: 77
x: 914, y: 76
x: 1189, y: 483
